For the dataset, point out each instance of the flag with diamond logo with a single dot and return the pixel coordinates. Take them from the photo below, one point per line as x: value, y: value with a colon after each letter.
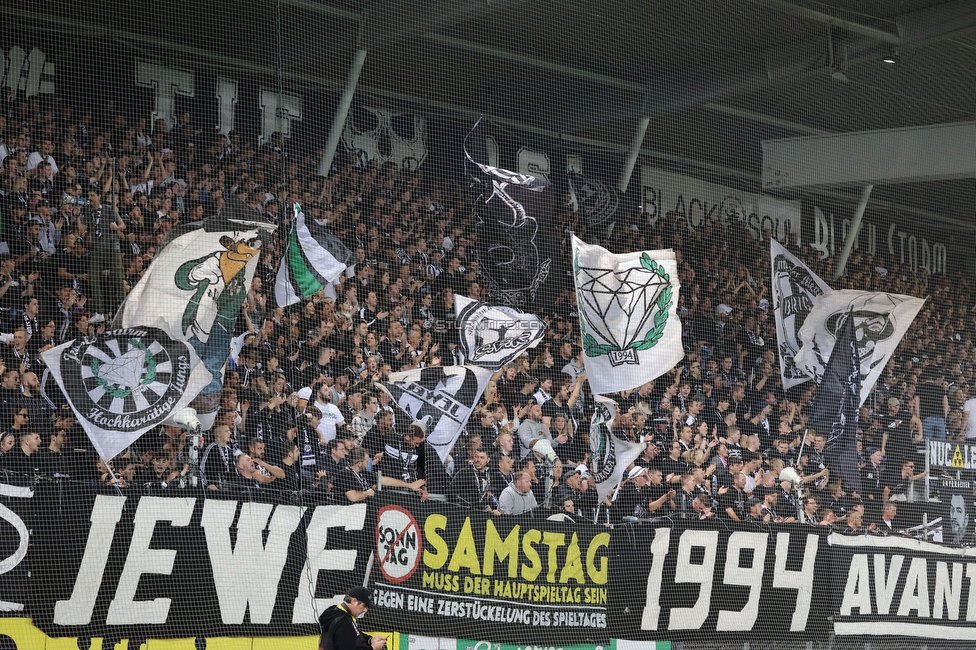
x: 631, y: 333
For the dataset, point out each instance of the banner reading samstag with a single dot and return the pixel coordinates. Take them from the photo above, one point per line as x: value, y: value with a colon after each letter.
x: 456, y: 572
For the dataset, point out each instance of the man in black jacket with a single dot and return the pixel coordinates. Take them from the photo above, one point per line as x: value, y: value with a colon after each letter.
x: 340, y: 629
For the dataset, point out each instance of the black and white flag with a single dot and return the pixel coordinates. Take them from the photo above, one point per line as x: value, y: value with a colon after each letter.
x: 834, y: 409
x: 795, y: 287
x: 596, y: 200
x: 440, y: 396
x: 491, y: 336
x: 122, y: 383
x: 611, y: 455
x: 511, y: 208
x: 880, y: 322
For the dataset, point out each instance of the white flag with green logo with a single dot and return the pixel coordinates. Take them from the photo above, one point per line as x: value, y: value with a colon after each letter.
x: 313, y: 258
x: 631, y: 333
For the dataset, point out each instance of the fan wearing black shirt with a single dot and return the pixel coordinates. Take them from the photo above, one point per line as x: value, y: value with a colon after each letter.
x: 732, y: 504
x: 674, y: 466
x: 471, y: 484
x: 502, y: 474
x: 354, y: 484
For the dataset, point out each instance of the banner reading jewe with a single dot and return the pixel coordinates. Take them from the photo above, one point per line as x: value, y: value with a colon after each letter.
x: 701, y: 204
x: 435, y: 569
x: 630, y: 331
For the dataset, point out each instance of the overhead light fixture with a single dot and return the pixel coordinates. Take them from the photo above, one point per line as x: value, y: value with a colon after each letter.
x: 891, y: 57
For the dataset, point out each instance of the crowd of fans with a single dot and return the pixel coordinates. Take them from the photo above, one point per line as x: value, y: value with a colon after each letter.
x: 90, y: 195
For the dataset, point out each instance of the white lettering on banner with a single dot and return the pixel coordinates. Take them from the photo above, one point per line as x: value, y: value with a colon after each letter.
x: 141, y: 559
x: 735, y: 574
x: 694, y: 617
x: 278, y: 111
x: 30, y: 73
x: 948, y: 591
x: 701, y: 204
x: 953, y: 455
x: 915, y: 596
x: 919, y: 589
x: 886, y: 590
x: 227, y: 96
x: 902, y: 247
x: 801, y: 580
x: 168, y: 83
x: 652, y: 598
x: 307, y: 607
x: 105, y: 514
x: 11, y: 562
x: 261, y: 562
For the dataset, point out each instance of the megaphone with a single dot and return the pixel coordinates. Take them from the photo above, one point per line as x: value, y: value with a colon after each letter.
x: 186, y: 418
x: 789, y: 474
x: 544, y: 449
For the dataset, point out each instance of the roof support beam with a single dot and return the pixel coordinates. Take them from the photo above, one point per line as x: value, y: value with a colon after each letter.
x: 924, y: 153
x: 342, y: 111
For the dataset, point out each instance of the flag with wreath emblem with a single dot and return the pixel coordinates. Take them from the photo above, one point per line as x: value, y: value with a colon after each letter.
x: 631, y: 333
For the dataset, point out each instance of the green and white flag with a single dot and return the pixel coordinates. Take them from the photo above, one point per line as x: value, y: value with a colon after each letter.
x: 631, y: 333
x: 171, y: 338
x: 611, y: 455
x: 313, y: 258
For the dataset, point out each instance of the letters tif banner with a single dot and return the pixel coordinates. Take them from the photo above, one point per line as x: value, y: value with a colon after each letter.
x: 895, y: 587
x: 720, y: 583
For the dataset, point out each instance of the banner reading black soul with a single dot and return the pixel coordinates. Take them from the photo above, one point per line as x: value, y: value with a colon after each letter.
x: 897, y: 587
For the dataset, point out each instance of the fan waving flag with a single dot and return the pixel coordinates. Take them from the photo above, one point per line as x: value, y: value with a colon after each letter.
x: 170, y: 339
x: 611, y: 455
x: 880, y: 322
x: 630, y: 331
x: 440, y: 396
x: 492, y: 336
x: 313, y: 258
x: 794, y: 288
x: 833, y: 411
x: 122, y: 383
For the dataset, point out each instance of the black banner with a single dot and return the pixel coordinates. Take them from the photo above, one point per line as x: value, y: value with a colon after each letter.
x: 905, y: 588
x: 188, y: 564
x: 720, y: 582
x: 193, y: 565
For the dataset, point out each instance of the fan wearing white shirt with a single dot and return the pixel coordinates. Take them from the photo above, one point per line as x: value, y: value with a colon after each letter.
x: 331, y: 415
x: 43, y: 154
